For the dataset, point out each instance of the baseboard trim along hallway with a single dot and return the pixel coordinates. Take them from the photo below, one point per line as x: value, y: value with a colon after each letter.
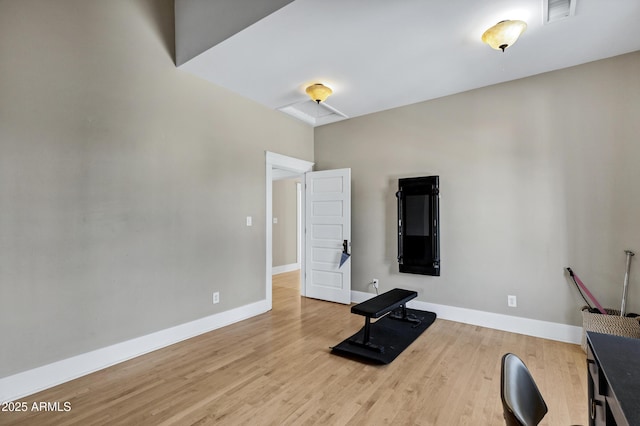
x: 35, y: 380
x: 527, y: 326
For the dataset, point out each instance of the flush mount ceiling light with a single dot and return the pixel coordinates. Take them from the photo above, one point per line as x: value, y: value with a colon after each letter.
x: 319, y: 92
x: 504, y: 34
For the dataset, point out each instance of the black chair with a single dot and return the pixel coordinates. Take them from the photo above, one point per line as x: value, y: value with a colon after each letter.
x: 522, y: 402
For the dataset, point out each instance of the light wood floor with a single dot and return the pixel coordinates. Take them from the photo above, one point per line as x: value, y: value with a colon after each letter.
x: 276, y: 369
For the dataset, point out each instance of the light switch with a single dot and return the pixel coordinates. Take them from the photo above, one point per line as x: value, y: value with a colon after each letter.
x: 275, y: 220
x: 249, y: 221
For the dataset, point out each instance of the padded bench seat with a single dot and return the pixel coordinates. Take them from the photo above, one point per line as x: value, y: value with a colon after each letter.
x: 384, y: 303
x: 379, y: 306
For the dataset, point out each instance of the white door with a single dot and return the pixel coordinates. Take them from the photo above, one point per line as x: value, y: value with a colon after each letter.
x: 328, y: 235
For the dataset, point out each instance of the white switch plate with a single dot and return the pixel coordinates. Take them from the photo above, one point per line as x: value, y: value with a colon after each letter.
x: 216, y: 297
x: 249, y: 221
x: 512, y: 301
x: 275, y: 220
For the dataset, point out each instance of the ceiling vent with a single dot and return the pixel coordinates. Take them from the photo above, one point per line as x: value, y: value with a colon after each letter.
x: 557, y: 10
x: 313, y: 113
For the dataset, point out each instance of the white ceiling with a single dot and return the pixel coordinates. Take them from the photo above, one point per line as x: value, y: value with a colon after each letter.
x: 382, y: 54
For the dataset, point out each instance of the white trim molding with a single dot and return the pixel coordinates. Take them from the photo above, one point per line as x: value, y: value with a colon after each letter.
x: 285, y: 268
x: 530, y: 327
x: 292, y: 167
x: 31, y: 381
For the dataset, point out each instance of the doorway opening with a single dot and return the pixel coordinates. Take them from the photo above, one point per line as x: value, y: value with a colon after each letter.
x: 286, y: 231
x: 286, y: 224
x: 280, y: 167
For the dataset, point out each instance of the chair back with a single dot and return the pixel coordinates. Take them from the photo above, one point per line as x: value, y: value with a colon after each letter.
x: 522, y: 402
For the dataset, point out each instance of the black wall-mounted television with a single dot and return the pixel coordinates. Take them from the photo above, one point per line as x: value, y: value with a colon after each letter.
x: 419, y: 225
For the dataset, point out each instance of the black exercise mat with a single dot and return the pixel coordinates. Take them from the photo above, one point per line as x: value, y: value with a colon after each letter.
x: 394, y: 335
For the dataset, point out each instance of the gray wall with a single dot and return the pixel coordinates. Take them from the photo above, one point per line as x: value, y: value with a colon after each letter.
x: 285, y: 232
x: 536, y: 175
x: 124, y: 182
x: 201, y: 24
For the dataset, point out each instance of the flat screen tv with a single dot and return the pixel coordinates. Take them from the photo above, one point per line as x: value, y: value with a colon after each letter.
x: 418, y: 225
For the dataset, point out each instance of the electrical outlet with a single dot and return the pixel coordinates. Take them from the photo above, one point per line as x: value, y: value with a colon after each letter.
x: 512, y: 302
x: 216, y: 297
x: 375, y: 282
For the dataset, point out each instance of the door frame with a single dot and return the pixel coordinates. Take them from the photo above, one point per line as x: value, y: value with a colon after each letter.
x: 276, y: 164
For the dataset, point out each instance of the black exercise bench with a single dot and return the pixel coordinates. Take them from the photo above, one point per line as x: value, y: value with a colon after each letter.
x: 379, y: 306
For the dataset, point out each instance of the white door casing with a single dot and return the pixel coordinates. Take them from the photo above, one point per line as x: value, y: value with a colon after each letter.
x: 328, y: 225
x: 275, y: 165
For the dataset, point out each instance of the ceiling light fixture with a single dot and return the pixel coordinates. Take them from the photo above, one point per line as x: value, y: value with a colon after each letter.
x: 319, y: 92
x: 504, y: 34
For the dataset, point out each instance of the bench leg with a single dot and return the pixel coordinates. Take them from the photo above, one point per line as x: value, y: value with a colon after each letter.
x: 367, y: 331
x: 366, y: 339
x: 404, y: 316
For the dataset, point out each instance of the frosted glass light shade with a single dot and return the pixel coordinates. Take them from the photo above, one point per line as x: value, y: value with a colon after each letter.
x: 319, y: 92
x: 504, y: 34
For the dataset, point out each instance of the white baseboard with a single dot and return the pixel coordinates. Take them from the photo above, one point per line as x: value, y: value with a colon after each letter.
x: 31, y: 381
x: 530, y: 327
x: 285, y: 268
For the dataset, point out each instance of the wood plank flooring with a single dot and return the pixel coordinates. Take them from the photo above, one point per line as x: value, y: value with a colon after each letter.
x: 276, y: 369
